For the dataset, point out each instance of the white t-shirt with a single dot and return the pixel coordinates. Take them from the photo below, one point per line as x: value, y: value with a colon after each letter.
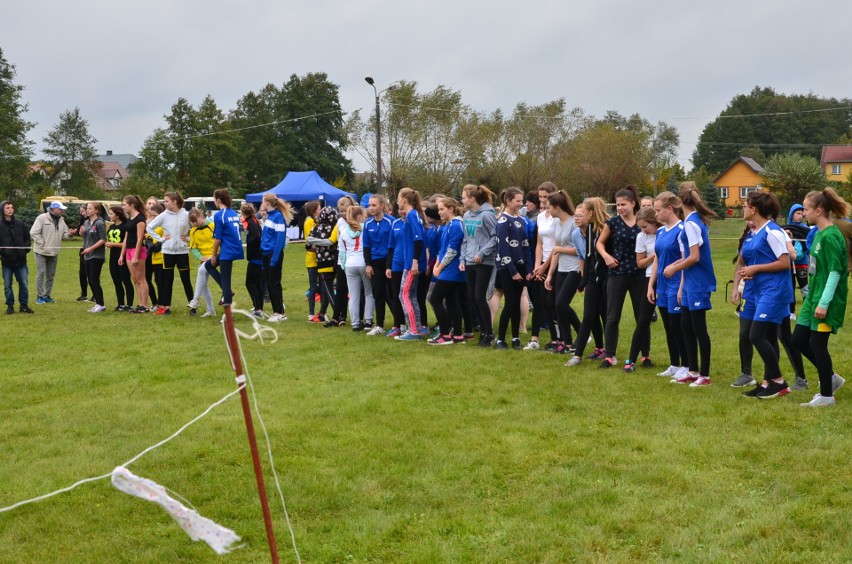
x: 645, y: 244
x: 546, y: 233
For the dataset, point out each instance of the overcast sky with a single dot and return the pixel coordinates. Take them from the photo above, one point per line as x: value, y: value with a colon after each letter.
x: 124, y: 64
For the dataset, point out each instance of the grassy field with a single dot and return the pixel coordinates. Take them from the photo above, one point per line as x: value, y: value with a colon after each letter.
x: 400, y: 452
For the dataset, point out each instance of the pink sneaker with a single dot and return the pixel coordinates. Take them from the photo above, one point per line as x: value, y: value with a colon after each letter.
x: 701, y: 381
x: 688, y: 378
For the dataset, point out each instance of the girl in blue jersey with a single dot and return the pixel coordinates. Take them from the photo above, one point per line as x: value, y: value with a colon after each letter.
x: 377, y: 241
x: 564, y: 275
x: 272, y: 245
x: 824, y: 308
x: 617, y: 246
x: 449, y: 280
x: 663, y: 290
x: 227, y: 245
x: 513, y: 264
x: 764, y: 262
x: 414, y: 259
x: 697, y: 283
x: 393, y: 273
x: 479, y: 250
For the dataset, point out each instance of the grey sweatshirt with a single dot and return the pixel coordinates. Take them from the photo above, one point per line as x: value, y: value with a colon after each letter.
x: 480, y: 235
x: 176, y: 225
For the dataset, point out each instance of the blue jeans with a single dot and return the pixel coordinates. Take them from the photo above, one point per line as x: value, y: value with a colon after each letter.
x: 21, y: 274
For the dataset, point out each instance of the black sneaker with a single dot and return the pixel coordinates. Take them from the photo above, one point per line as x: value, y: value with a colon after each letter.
x: 10, y: 310
x: 501, y: 346
x: 26, y: 309
x: 357, y: 327
x: 753, y: 392
x: 608, y: 362
x: 485, y: 341
x: 516, y: 344
x: 647, y: 362
x: 139, y: 309
x: 193, y: 312
x: 774, y: 390
x: 654, y: 316
x: 82, y: 299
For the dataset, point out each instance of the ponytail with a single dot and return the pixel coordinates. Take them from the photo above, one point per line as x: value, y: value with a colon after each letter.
x: 690, y: 197
x: 481, y: 194
x: 631, y: 194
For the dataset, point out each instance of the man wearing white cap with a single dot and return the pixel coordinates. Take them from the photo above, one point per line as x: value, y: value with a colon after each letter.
x: 47, y: 233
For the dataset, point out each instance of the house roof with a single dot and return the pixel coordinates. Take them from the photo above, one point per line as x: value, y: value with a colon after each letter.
x: 835, y: 154
x: 124, y: 159
x: 111, y: 169
x: 748, y: 161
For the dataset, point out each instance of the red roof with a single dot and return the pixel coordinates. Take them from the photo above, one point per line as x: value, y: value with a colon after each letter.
x: 835, y: 154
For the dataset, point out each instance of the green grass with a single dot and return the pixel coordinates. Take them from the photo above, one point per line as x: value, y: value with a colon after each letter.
x: 393, y: 451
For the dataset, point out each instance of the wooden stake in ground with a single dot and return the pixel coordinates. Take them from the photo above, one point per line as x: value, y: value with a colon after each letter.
x: 237, y: 365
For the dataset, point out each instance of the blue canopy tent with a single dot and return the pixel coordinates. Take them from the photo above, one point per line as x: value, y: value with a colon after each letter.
x: 300, y: 187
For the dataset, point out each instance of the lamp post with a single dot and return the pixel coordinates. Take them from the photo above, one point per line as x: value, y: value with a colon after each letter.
x: 369, y: 80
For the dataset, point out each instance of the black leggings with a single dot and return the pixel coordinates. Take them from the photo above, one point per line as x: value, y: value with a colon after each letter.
x: 93, y: 273
x: 566, y: 287
x: 167, y: 277
x: 814, y: 346
x: 272, y: 277
x: 121, y: 280
x: 445, y: 300
x: 341, y: 294
x: 617, y: 288
x: 696, y: 338
x: 82, y: 273
x: 764, y: 337
x: 478, y: 277
x: 512, y: 291
x: 594, y: 317
x: 254, y: 284
x: 786, y: 337
x: 381, y: 290
x: 153, y: 275
x: 642, y: 335
x: 674, y: 337
x: 326, y: 287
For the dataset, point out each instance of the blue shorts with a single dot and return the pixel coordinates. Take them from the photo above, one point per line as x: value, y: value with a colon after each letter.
x: 669, y: 303
x: 770, y: 311
x: 747, y: 307
x: 696, y: 300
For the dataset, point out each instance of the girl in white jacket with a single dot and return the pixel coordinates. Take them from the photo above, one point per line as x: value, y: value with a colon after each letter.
x: 175, y: 225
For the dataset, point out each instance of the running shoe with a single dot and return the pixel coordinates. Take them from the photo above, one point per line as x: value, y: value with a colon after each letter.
x: 688, y: 378
x: 670, y: 371
x: 532, y: 346
x: 501, y: 345
x: 516, y: 344
x: 608, y: 362
x: 441, y: 340
x: 277, y: 317
x: 743, y: 380
x: 574, y: 361
x: 409, y: 337
x: 837, y: 382
x: 393, y: 333
x: 208, y: 314
x: 819, y: 401
x: 376, y: 330
x: 800, y: 384
x: 647, y: 362
x: 701, y: 381
x: 98, y: 309
x: 773, y: 390
x: 48, y: 300
x: 459, y: 339
x: 193, y: 303
x: 753, y: 392
x: 629, y: 366
x: 39, y: 300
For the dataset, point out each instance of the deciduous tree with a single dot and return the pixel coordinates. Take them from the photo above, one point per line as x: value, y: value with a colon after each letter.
x: 790, y: 176
x: 72, y: 153
x: 15, y: 148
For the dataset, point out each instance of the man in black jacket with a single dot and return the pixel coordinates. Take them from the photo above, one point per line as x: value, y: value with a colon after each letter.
x: 14, y: 246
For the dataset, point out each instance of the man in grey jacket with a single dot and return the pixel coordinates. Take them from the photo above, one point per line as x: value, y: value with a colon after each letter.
x: 47, y: 233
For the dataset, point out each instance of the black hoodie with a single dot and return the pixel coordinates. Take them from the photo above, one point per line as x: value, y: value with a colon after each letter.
x: 13, y: 233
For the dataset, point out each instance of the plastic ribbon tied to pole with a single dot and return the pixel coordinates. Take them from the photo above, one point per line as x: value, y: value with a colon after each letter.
x: 197, y: 527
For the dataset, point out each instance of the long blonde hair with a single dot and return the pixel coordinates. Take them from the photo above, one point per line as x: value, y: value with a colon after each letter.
x: 280, y: 205
x: 352, y: 215
x: 597, y: 212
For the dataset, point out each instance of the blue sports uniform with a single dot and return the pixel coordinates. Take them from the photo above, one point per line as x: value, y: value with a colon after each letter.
x: 452, y: 235
x: 771, y: 292
x: 667, y: 249
x: 699, y: 280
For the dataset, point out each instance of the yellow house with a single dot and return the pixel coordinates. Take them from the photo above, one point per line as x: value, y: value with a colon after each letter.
x: 741, y: 177
x: 836, y: 161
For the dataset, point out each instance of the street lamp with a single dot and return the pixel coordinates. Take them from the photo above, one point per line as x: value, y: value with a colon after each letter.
x: 394, y: 86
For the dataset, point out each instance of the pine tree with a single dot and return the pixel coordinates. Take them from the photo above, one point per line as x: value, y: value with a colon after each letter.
x: 15, y: 148
x: 72, y: 151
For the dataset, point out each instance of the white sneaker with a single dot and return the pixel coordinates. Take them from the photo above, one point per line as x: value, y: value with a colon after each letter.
x: 193, y: 303
x: 836, y: 382
x: 376, y: 331
x: 276, y: 317
x: 671, y: 371
x: 681, y: 372
x: 92, y: 309
x: 98, y: 309
x: 574, y: 361
x: 534, y: 346
x: 792, y: 317
x: 208, y: 314
x: 819, y: 401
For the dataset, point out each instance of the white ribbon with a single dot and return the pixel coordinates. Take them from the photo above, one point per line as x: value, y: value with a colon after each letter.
x: 197, y: 527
